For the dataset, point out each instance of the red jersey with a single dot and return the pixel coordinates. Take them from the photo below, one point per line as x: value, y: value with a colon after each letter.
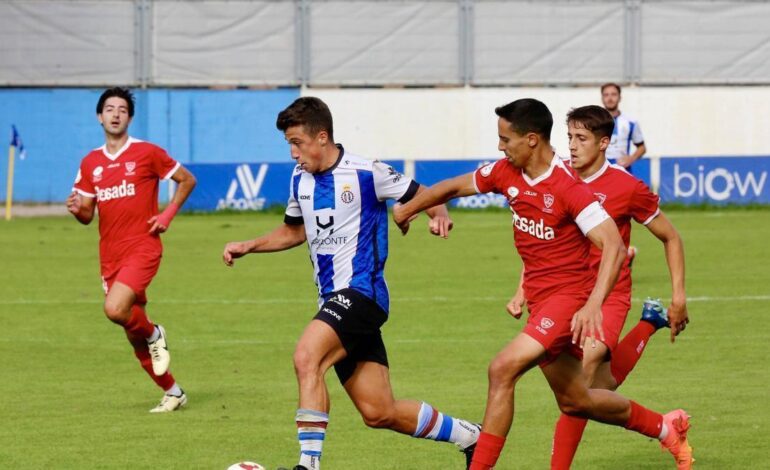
x: 551, y: 214
x: 624, y: 197
x: 125, y: 186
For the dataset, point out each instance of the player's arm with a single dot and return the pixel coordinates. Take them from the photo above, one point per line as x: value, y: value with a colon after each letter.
x: 588, y: 320
x: 185, y: 182
x: 437, y: 194
x: 440, y: 223
x: 82, y: 207
x: 665, y: 231
x: 629, y: 160
x: 516, y: 303
x: 284, y: 237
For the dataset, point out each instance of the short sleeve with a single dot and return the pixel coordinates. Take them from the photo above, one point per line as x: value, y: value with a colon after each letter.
x: 83, y: 184
x: 636, y: 134
x: 390, y: 184
x: 582, y: 206
x: 162, y: 164
x: 486, y: 178
x: 645, y: 205
x: 293, y: 214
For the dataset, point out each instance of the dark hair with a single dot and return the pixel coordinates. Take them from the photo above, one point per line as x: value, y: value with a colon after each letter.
x: 609, y: 84
x: 309, y: 112
x: 593, y: 118
x: 527, y: 115
x: 120, y: 92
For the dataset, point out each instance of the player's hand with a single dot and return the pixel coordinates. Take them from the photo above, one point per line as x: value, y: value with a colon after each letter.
x: 440, y: 225
x: 156, y: 225
x: 233, y: 251
x: 400, y: 218
x: 677, y: 318
x: 587, y: 323
x: 74, y: 203
x: 624, y: 161
x: 516, y: 304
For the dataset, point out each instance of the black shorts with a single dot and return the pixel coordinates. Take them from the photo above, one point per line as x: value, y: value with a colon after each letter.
x: 357, y: 320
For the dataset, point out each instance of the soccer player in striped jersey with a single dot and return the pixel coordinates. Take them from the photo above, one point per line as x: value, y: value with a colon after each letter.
x: 556, y: 219
x: 626, y: 132
x: 624, y: 198
x: 337, y: 204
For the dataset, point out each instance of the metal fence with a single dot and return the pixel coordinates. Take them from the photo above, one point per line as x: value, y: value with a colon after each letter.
x: 385, y: 42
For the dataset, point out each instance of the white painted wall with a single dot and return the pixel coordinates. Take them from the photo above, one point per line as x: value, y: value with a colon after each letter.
x: 446, y: 123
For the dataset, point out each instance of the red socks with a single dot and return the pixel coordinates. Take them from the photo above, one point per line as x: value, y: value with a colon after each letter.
x: 566, y: 438
x: 644, y: 421
x: 138, y: 329
x: 138, y: 324
x: 629, y: 350
x: 488, y: 449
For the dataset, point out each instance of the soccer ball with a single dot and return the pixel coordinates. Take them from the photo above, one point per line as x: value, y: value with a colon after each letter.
x: 245, y: 466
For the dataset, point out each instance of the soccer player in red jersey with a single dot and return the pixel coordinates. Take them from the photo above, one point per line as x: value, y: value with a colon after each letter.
x: 120, y: 179
x: 624, y: 198
x: 555, y: 218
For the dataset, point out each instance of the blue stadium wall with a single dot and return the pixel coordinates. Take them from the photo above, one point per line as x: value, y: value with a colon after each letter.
x: 59, y: 126
x: 242, y: 161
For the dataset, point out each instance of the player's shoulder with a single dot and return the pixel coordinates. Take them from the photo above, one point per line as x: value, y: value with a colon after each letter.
x: 628, y: 117
x: 351, y: 161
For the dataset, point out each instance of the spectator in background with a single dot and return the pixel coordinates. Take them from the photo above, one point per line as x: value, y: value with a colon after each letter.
x: 627, y: 131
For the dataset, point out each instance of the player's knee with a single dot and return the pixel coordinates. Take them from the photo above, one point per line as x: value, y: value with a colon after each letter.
x: 115, y: 313
x: 504, y: 371
x: 573, y: 406
x: 378, y: 418
x: 305, y: 363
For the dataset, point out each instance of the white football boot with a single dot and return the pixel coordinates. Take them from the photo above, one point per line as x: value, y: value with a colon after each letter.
x: 159, y: 353
x: 170, y: 403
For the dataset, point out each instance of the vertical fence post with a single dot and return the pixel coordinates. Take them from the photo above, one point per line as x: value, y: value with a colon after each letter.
x: 143, y: 42
x: 466, y: 41
x: 302, y: 39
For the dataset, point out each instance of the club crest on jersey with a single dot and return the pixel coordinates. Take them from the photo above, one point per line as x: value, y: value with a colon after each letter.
x: 601, y: 197
x: 130, y: 167
x: 97, y: 174
x: 513, y: 191
x: 486, y: 170
x: 347, y: 195
x: 548, y: 202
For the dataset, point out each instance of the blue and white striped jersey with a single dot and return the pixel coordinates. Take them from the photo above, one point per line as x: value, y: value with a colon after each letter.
x: 627, y: 131
x: 346, y: 221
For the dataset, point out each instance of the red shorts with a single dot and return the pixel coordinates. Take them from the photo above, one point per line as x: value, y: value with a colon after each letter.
x: 614, y: 312
x: 549, y: 324
x: 136, y: 270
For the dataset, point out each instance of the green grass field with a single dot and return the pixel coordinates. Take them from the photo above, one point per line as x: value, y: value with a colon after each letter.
x: 73, y: 396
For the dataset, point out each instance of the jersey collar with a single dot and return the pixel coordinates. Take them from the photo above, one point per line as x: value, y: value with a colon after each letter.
x: 598, y: 173
x: 555, y: 161
x: 117, y: 154
x: 339, y: 159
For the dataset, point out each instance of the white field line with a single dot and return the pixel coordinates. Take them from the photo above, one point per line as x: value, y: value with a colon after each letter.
x: 283, y: 301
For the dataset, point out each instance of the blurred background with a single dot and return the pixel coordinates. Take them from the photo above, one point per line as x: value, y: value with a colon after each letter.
x: 411, y: 82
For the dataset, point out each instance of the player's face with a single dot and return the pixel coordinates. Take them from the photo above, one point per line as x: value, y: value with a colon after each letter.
x: 610, y: 98
x: 584, y: 147
x: 306, y: 150
x: 517, y: 148
x: 114, y: 117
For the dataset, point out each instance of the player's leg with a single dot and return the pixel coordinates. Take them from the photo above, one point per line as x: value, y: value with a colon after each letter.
x: 596, y: 374
x: 135, y: 275
x: 369, y: 388
x: 631, y: 348
x: 569, y: 429
x: 505, y: 370
x: 565, y: 378
x: 318, y: 349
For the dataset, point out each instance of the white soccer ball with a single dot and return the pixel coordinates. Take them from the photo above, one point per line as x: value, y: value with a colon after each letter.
x: 245, y: 466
